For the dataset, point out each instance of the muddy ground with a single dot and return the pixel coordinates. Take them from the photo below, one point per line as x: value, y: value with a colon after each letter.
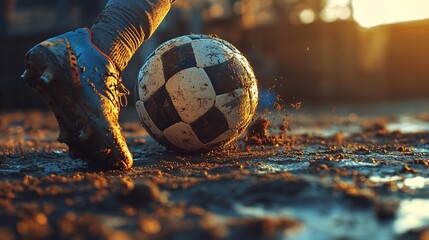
x: 333, y: 176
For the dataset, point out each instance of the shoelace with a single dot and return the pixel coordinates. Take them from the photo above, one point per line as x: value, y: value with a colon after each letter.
x: 123, y: 92
x: 117, y: 92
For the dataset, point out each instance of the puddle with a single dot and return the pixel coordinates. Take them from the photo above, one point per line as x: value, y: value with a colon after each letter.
x: 355, y: 163
x: 404, y: 125
x: 325, y: 222
x: 378, y: 179
x: 327, y: 132
x: 416, y: 182
x: 281, y: 164
x: 412, y: 183
x: 412, y: 214
x: 408, y: 125
x: 420, y: 150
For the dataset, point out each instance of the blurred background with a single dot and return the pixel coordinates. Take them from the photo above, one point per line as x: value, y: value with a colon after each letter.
x: 314, y: 51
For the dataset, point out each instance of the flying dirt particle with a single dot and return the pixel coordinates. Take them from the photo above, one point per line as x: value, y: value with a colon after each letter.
x: 284, y: 127
x: 278, y: 106
x: 279, y: 103
x: 296, y: 105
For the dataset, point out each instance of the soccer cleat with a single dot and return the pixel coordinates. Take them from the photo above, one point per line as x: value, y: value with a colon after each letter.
x: 84, y: 90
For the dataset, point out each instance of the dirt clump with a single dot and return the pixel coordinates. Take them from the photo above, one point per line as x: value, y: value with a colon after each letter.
x: 257, y: 133
x: 144, y: 193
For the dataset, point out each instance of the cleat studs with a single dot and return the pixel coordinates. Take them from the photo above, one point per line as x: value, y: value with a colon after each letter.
x: 24, y: 76
x: 47, y: 76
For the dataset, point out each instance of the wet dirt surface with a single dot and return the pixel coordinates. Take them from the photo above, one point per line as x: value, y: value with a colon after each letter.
x: 330, y: 177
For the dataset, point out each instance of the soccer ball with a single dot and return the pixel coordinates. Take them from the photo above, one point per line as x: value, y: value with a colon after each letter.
x: 196, y: 93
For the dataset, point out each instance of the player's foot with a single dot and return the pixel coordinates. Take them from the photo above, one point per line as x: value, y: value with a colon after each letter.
x: 84, y: 90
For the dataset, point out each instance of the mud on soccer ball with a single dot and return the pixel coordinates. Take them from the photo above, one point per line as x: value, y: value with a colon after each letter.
x: 196, y: 93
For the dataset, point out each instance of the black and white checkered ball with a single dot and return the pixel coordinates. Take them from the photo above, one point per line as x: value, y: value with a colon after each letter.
x: 196, y: 93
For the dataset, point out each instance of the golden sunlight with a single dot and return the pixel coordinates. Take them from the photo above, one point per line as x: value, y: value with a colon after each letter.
x: 371, y: 13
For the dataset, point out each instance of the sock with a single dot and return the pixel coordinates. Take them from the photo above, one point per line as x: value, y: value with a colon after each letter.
x: 123, y: 25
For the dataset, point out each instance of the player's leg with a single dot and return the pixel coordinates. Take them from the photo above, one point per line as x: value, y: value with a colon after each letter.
x: 120, y: 35
x: 79, y: 75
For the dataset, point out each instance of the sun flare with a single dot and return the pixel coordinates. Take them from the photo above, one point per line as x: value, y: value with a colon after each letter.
x: 371, y: 13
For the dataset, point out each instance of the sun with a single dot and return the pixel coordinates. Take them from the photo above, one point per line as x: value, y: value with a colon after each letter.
x: 371, y: 13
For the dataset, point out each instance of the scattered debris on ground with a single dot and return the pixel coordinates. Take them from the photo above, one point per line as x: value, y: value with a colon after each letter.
x: 276, y: 182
